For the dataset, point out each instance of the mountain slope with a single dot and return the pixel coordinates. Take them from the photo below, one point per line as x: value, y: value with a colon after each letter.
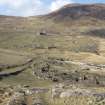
x: 79, y: 11
x: 60, y: 56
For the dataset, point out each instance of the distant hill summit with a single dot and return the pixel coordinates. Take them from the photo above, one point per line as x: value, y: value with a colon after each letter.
x: 68, y: 15
x: 78, y: 12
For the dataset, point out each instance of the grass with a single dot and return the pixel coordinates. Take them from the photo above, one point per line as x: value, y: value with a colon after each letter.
x: 72, y: 101
x: 22, y: 79
x: 12, y: 59
x: 20, y: 41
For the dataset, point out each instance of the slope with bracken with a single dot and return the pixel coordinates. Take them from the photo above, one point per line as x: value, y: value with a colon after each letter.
x: 79, y: 11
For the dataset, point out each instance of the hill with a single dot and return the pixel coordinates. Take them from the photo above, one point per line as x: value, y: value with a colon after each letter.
x: 79, y: 11
x: 60, y: 55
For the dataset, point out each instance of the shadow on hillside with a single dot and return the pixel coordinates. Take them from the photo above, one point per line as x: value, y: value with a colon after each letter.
x: 96, y: 32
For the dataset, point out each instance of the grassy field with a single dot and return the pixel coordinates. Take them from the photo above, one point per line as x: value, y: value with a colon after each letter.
x: 63, y: 54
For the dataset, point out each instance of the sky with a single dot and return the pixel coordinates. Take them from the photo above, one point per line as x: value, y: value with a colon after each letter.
x: 36, y: 7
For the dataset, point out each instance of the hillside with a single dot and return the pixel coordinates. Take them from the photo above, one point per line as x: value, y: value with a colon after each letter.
x: 79, y: 11
x: 55, y: 59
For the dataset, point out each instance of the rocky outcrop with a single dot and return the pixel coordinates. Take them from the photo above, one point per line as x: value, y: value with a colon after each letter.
x: 38, y: 101
x: 17, y: 99
x: 35, y: 90
x: 59, y: 91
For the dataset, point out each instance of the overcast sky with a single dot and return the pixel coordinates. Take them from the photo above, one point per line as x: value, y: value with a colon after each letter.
x: 36, y: 7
